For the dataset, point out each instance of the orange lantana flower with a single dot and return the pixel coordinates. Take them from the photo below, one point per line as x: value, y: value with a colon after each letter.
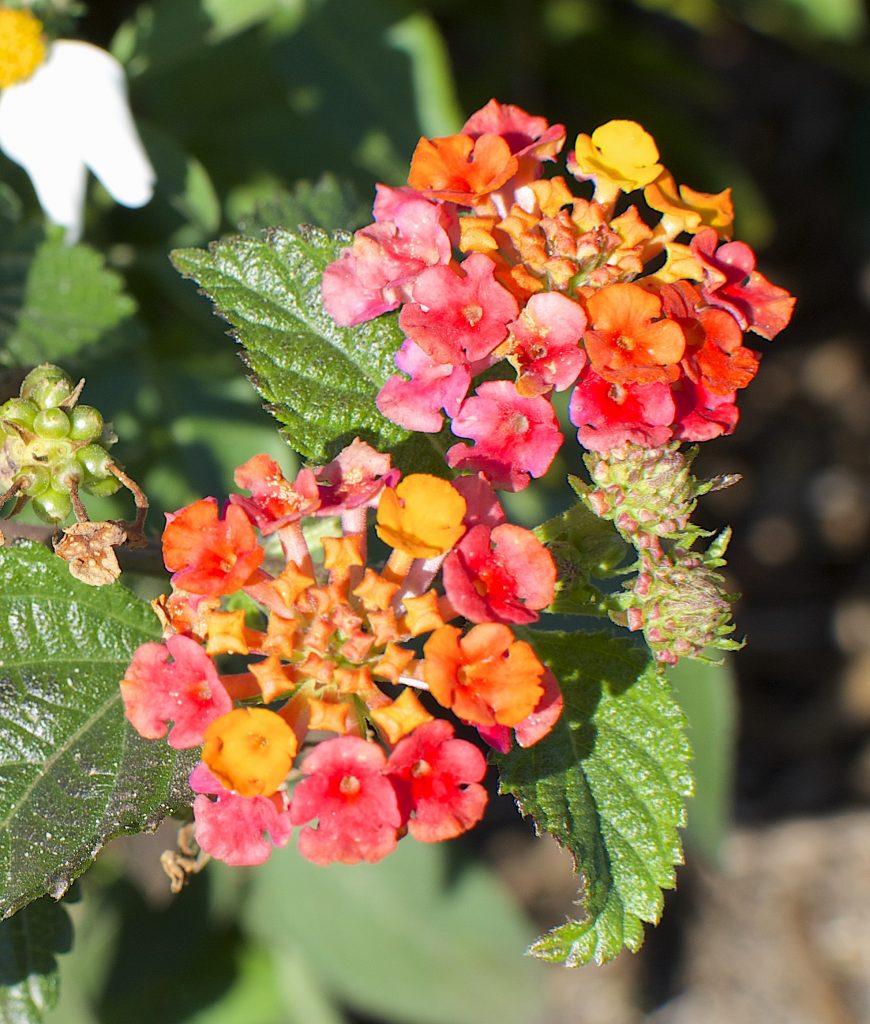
x: 460, y: 169
x: 250, y: 750
x: 422, y: 517
x: 485, y: 677
x: 627, y: 342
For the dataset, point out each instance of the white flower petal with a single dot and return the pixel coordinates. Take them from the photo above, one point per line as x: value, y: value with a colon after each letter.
x: 70, y: 114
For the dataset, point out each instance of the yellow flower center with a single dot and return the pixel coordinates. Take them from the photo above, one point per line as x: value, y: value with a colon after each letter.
x: 22, y: 48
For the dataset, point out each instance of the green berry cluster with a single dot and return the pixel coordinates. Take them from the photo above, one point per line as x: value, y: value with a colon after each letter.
x: 51, y: 446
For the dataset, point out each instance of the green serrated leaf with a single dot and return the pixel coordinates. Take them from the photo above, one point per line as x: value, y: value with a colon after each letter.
x: 71, y: 299
x: 610, y: 783
x: 319, y: 380
x: 73, y: 773
x: 29, y: 942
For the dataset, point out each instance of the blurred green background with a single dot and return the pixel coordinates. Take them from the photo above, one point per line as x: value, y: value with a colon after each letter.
x: 244, y: 106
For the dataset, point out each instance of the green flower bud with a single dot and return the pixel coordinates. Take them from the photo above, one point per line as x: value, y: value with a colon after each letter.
x: 52, y: 506
x: 47, y: 385
x: 52, y: 424
x: 86, y: 423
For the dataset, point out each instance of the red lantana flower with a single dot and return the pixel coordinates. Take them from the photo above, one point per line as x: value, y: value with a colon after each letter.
x: 608, y: 414
x: 515, y: 437
x: 732, y: 282
x: 438, y: 777
x: 238, y: 830
x: 187, y: 691
x: 209, y: 555
x: 355, y: 805
x: 499, y: 575
x: 459, y: 318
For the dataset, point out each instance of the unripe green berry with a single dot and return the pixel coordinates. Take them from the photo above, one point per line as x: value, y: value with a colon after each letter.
x: 104, y: 488
x: 51, y: 423
x: 20, y: 411
x: 86, y: 423
x: 68, y: 473
x: 47, y: 385
x: 95, y: 459
x: 35, y: 479
x: 52, y: 506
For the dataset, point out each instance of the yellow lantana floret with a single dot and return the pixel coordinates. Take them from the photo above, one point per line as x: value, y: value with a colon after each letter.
x: 620, y: 156
x: 250, y: 750
x: 22, y: 48
x: 422, y: 517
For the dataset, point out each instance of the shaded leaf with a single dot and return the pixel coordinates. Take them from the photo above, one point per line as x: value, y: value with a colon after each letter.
x: 319, y: 380
x: 29, y: 942
x: 329, y: 203
x: 610, y: 784
x: 73, y: 773
x: 70, y: 300
x: 414, y: 939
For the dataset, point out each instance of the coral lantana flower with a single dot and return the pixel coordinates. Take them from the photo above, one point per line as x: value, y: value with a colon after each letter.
x: 620, y: 156
x: 416, y: 404
x: 627, y: 342
x: 207, y: 554
x: 355, y: 805
x: 186, y: 691
x: 500, y: 575
x: 545, y: 344
x: 64, y: 111
x: 274, y: 501
x: 236, y: 829
x: 609, y: 414
x: 422, y: 516
x: 485, y: 677
x: 515, y: 437
x: 439, y: 777
x: 250, y: 750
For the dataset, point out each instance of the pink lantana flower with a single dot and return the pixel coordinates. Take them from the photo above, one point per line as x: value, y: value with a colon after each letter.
x: 416, y: 404
x: 354, y: 478
x: 608, y: 414
x: 499, y: 575
x: 187, y: 691
x: 515, y: 437
x: 438, y: 777
x: 545, y: 344
x: 732, y: 282
x: 274, y: 501
x: 481, y: 501
x: 459, y: 317
x: 239, y: 830
x: 374, y: 275
x: 355, y: 805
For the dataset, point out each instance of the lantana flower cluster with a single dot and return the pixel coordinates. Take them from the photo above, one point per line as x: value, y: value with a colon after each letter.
x: 634, y: 297
x: 328, y: 720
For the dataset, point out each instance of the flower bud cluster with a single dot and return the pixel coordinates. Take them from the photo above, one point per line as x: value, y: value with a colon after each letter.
x: 328, y: 647
x: 52, y: 446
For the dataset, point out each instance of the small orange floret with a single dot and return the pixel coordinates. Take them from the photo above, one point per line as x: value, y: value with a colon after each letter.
x: 375, y: 592
x: 422, y: 614
x: 329, y: 716
x: 401, y: 717
x: 340, y: 554
x: 291, y: 584
x: 250, y: 750
x: 486, y: 677
x: 422, y: 517
x: 226, y: 632
x: 688, y: 210
x: 272, y: 677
